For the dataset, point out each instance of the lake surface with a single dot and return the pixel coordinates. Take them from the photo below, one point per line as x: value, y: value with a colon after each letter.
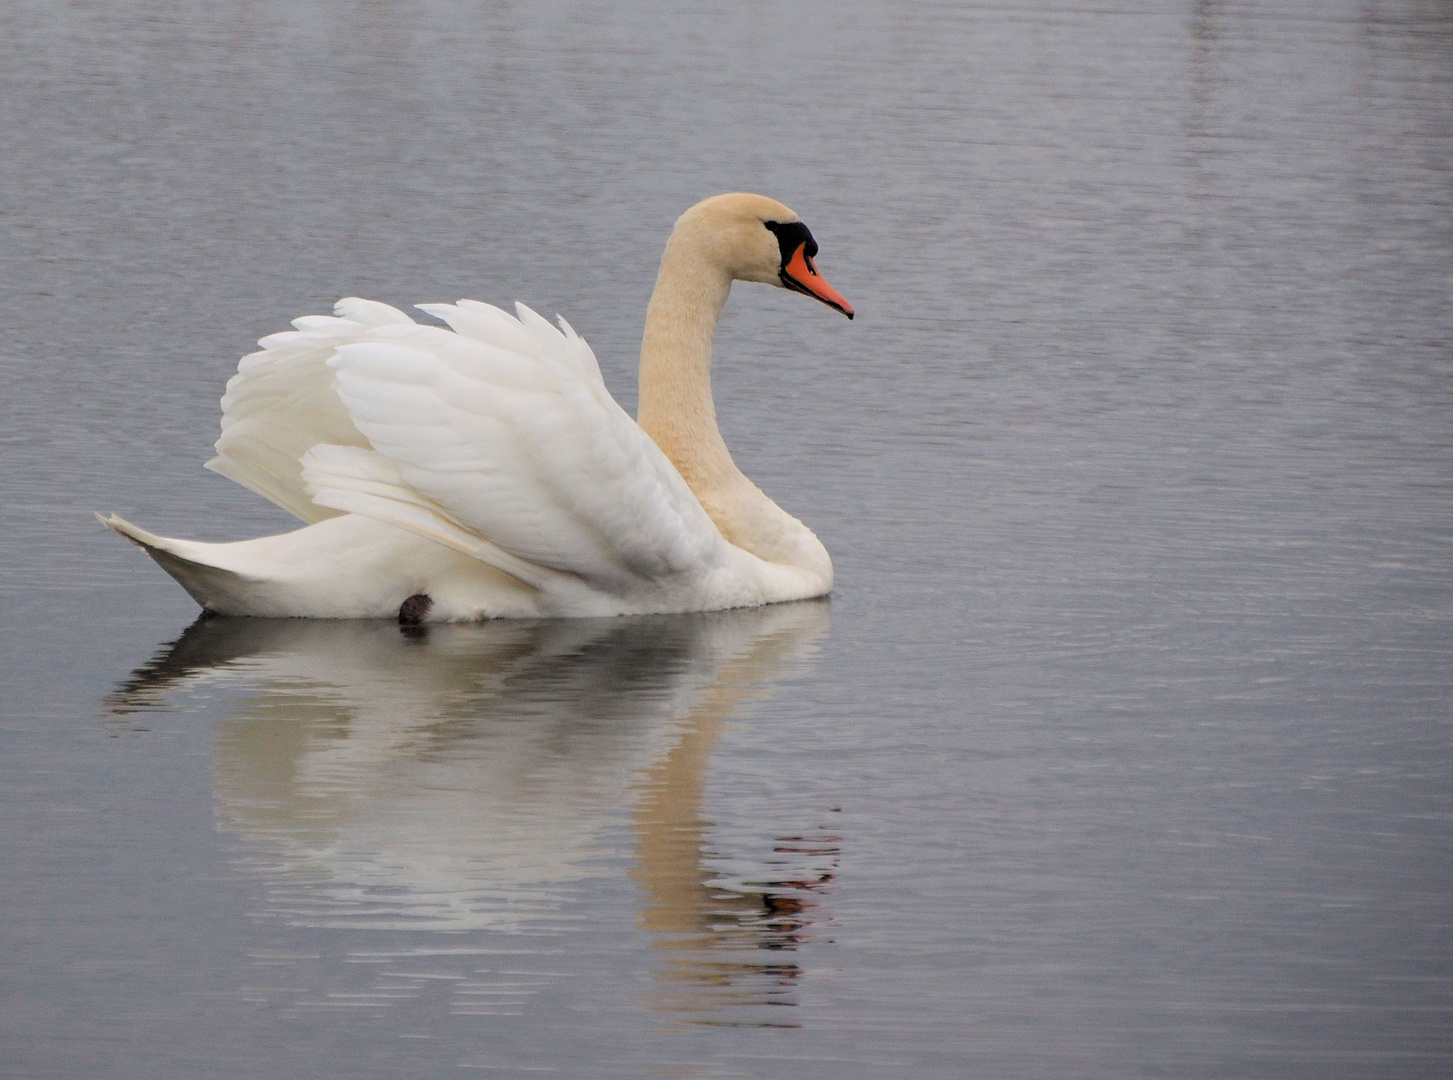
x: 1123, y: 747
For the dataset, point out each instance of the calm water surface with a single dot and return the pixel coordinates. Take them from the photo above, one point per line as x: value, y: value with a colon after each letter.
x: 1122, y: 748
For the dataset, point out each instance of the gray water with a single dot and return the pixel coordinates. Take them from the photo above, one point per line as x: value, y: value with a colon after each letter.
x: 1122, y: 748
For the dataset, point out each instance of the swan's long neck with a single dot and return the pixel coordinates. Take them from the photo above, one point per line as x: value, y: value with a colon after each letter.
x: 677, y: 411
x: 675, y: 407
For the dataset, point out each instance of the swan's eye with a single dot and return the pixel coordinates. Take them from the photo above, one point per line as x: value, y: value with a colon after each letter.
x: 792, y: 235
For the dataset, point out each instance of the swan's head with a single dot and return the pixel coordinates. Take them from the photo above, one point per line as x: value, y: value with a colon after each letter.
x: 755, y: 238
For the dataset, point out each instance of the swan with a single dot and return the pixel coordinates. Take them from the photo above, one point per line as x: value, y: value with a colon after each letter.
x: 484, y: 471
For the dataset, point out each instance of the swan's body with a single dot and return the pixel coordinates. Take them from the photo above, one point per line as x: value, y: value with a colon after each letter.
x: 487, y: 468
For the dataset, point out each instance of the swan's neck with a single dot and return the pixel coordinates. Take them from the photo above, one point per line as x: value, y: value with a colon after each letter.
x: 675, y: 408
x: 677, y: 411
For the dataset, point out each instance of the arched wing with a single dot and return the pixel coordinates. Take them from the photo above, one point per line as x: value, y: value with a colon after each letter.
x: 504, y: 431
x: 281, y: 404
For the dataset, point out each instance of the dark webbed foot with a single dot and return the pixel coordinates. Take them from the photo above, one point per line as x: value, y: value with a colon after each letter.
x: 413, y: 610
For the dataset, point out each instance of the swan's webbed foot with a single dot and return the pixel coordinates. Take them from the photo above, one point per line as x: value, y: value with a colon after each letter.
x: 413, y: 610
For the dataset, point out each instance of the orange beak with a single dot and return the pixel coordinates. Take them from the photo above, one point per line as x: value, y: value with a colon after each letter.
x: 800, y: 275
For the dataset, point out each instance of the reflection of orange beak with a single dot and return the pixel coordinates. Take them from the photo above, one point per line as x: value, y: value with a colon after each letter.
x: 800, y: 275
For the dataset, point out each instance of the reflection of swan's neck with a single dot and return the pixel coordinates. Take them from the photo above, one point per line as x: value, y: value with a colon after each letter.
x: 676, y: 409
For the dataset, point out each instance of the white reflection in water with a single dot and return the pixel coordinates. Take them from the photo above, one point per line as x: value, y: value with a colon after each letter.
x: 461, y: 777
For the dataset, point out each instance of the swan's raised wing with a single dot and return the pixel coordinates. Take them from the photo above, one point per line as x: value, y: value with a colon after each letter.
x: 281, y: 404
x: 502, y: 437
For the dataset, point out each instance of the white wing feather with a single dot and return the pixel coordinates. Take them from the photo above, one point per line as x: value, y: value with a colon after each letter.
x: 504, y: 431
x: 364, y: 482
x: 281, y: 403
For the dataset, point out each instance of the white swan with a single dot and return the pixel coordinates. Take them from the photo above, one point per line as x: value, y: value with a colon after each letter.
x: 487, y: 472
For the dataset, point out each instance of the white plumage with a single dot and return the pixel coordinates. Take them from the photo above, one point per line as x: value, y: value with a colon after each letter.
x: 487, y: 467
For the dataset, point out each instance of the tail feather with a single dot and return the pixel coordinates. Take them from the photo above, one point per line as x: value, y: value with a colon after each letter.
x: 216, y: 588
x: 347, y: 567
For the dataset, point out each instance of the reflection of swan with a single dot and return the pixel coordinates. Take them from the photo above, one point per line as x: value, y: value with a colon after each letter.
x: 465, y: 777
x: 488, y: 472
